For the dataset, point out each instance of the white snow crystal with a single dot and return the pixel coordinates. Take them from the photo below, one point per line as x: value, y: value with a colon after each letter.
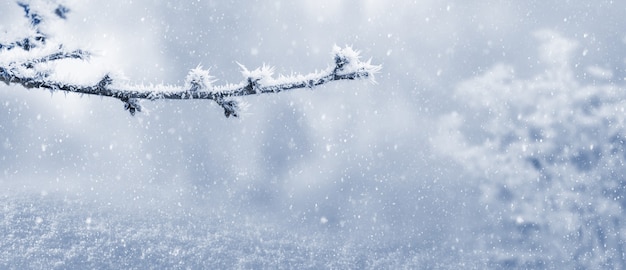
x: 199, y: 79
x: 347, y: 60
x: 262, y: 75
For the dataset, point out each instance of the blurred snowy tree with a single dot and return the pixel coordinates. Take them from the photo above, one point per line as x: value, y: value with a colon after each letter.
x: 31, y: 61
x: 551, y: 151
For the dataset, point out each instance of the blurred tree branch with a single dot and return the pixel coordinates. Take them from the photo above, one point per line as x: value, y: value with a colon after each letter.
x: 27, y: 62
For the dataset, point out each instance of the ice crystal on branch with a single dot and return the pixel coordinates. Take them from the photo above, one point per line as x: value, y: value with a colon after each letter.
x: 30, y: 62
x: 231, y: 107
x: 262, y: 75
x: 199, y: 79
x: 348, y: 61
x: 132, y: 105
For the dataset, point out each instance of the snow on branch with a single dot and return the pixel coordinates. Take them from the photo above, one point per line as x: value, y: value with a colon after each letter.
x: 27, y: 62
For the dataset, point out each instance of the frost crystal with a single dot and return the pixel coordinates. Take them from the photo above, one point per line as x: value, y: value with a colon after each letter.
x: 262, y: 75
x: 132, y: 105
x: 232, y: 107
x: 347, y: 61
x: 199, y: 79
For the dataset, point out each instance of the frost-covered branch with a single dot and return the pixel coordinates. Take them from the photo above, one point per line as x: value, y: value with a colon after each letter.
x: 27, y: 62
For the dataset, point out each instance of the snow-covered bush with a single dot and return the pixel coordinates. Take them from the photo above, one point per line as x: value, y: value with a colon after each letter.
x: 550, y: 152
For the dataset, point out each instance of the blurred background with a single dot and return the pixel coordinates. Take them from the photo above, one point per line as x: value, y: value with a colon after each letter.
x: 347, y: 175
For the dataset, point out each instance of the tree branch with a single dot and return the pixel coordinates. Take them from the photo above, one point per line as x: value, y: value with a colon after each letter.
x: 27, y: 71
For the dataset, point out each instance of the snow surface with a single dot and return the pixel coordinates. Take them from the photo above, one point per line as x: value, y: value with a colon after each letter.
x: 493, y: 140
